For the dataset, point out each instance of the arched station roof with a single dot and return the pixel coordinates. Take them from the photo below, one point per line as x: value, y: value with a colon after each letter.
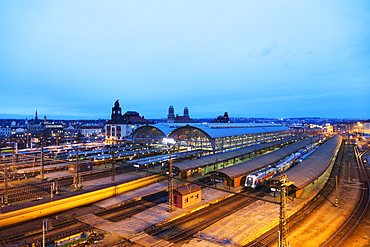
x: 150, y: 132
x: 315, y: 164
x: 232, y: 131
x: 246, y: 167
x: 209, y: 131
x: 162, y: 128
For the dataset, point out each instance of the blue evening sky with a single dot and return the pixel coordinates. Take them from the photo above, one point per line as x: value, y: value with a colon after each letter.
x: 269, y: 58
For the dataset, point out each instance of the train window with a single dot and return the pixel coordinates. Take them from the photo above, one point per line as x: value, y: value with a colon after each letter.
x: 249, y: 181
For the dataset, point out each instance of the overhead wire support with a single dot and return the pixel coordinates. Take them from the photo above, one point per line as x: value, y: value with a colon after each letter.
x: 283, y: 206
x: 42, y: 164
x: 5, y: 195
x: 170, y: 188
x: 113, y: 165
x: 77, y: 177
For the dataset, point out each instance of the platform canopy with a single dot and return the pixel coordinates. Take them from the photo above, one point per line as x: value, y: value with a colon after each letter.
x: 225, y: 156
x: 249, y: 166
x: 315, y: 164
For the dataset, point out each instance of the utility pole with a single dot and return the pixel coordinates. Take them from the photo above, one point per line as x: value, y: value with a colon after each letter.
x: 46, y: 226
x: 44, y: 230
x: 5, y: 196
x: 170, y: 189
x: 283, y: 199
x: 42, y: 163
x: 113, y: 166
x: 76, y: 177
x: 336, y: 191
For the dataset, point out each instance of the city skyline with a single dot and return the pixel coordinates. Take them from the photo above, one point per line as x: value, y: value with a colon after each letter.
x: 73, y: 60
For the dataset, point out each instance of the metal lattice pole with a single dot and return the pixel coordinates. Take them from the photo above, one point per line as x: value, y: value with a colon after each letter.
x: 77, y: 178
x: 5, y: 196
x: 113, y: 166
x: 42, y: 163
x: 283, y: 200
x: 170, y: 189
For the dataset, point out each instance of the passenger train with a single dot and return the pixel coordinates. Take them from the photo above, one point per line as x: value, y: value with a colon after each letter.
x: 256, y: 178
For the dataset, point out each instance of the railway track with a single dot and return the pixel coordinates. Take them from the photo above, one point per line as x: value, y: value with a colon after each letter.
x: 35, y: 191
x: 271, y: 237
x: 185, y: 227
x: 357, y: 215
x: 57, y: 231
x: 128, y: 209
x: 346, y: 155
x: 121, y: 212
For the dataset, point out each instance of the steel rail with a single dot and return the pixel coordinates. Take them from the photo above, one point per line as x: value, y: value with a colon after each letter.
x: 357, y: 215
x: 183, y: 232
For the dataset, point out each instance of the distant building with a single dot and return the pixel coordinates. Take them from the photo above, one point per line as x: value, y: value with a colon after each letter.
x: 35, y: 126
x: 352, y: 127
x: 4, y: 131
x: 53, y: 129
x: 222, y: 119
x: 171, y: 118
x: 121, y: 126
x: 91, y: 130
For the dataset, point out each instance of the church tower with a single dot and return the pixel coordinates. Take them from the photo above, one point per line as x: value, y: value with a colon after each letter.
x: 186, y: 112
x: 116, y: 112
x: 171, y: 115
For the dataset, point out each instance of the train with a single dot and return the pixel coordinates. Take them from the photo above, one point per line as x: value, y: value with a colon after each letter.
x: 55, y: 206
x: 257, y: 178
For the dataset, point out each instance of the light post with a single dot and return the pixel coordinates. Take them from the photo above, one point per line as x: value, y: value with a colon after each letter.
x: 29, y: 140
x: 45, y: 228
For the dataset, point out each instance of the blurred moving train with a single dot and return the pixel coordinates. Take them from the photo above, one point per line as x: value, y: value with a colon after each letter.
x: 256, y: 178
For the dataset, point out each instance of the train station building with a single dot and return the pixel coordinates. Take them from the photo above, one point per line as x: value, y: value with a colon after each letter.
x: 209, y: 136
x: 121, y: 125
